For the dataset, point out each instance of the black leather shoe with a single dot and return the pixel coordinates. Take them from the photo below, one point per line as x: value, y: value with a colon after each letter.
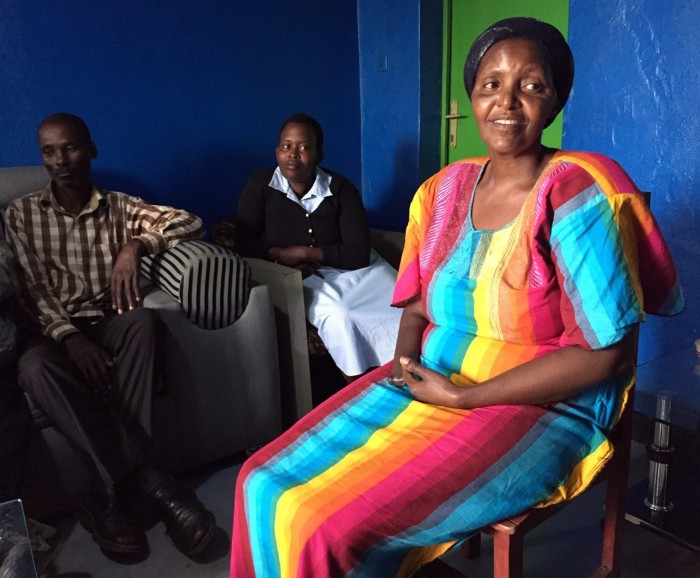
x: 102, y: 515
x: 190, y: 525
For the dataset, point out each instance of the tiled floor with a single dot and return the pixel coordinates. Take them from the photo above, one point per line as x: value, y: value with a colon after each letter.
x: 567, y: 546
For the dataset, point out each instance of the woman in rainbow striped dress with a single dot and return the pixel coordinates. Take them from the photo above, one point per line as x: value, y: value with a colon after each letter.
x: 524, y: 277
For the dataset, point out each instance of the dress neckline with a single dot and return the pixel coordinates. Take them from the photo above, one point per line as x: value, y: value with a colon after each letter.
x: 545, y: 171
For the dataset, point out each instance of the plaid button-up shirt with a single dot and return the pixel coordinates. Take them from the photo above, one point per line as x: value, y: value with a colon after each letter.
x: 65, y: 261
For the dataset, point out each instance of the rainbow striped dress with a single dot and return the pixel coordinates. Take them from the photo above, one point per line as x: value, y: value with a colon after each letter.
x: 373, y: 483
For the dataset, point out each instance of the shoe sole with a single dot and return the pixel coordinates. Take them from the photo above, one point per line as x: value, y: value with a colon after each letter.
x: 87, y: 520
x: 204, y: 542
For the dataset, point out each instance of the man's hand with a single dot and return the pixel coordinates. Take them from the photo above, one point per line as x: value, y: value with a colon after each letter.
x: 93, y: 361
x: 429, y: 386
x: 126, y: 293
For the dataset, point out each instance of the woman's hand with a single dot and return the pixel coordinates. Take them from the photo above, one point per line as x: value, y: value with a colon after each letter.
x: 553, y: 377
x: 309, y: 269
x: 411, y: 329
x: 429, y: 386
x: 290, y: 256
x: 295, y: 255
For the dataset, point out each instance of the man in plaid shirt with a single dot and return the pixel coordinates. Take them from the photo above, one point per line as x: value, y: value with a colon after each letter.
x: 90, y: 363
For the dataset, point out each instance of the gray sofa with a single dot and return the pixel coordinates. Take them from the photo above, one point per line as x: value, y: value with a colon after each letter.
x: 220, y: 394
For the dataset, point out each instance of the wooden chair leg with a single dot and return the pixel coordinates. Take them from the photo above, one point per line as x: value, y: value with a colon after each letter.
x: 471, y: 548
x: 507, y: 555
x: 612, y: 526
x: 615, y: 501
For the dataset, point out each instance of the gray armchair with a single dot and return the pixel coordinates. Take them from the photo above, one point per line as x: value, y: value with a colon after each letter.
x: 294, y: 341
x: 220, y: 394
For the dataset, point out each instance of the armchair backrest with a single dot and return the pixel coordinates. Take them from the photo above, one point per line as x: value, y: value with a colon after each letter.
x: 18, y: 181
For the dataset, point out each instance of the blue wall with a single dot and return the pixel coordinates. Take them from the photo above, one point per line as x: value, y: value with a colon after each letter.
x: 400, y: 76
x: 636, y: 99
x: 185, y: 98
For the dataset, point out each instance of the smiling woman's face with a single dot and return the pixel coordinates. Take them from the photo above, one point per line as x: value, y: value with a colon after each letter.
x: 513, y: 97
x: 297, y: 156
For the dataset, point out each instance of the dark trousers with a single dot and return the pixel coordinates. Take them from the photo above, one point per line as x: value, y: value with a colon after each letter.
x: 114, y: 432
x: 14, y: 422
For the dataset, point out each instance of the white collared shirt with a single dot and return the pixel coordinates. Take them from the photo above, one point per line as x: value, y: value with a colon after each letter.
x: 311, y: 200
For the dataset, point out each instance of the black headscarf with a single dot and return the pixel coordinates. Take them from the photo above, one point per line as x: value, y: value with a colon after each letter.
x: 551, y: 40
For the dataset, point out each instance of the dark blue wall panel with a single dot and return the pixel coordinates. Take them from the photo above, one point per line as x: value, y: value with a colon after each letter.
x: 400, y: 72
x: 636, y: 99
x: 389, y: 53
x: 184, y: 98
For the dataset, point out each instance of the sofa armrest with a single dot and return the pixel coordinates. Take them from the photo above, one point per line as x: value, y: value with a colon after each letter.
x: 290, y: 317
x: 211, y: 283
x: 224, y: 384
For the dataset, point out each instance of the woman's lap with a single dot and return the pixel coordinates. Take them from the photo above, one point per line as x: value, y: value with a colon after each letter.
x: 353, y: 314
x: 371, y: 474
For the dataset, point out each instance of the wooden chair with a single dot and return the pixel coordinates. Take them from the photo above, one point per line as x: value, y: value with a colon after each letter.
x: 509, y: 535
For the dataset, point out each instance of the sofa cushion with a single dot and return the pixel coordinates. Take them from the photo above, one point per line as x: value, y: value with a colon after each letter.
x: 212, y: 284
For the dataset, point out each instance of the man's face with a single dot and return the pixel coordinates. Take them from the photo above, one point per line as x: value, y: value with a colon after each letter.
x: 67, y: 153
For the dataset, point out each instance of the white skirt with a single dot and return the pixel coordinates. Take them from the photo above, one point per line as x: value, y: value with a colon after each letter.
x: 353, y: 314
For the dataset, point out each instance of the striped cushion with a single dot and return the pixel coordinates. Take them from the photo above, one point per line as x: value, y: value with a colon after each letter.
x: 211, y: 283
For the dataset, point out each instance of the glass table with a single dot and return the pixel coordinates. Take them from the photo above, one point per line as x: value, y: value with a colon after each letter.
x: 16, y: 559
x: 667, y: 422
